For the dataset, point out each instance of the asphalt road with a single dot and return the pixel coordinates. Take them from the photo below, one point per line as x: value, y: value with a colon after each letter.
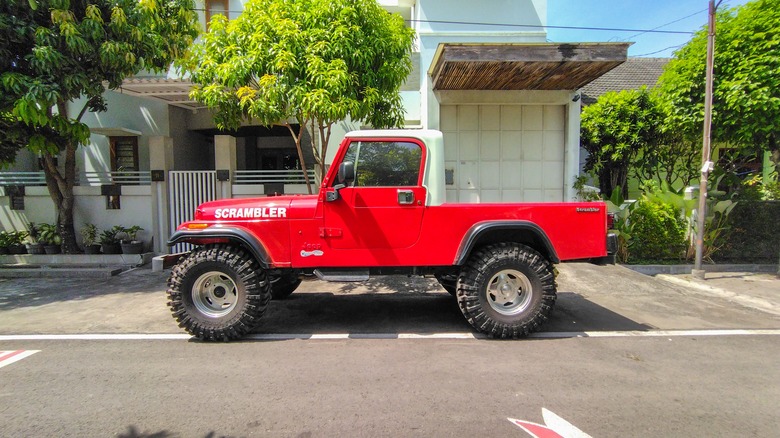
x: 607, y: 387
x: 655, y: 364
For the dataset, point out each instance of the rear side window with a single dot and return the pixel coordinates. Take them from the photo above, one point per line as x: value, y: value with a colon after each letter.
x: 385, y: 163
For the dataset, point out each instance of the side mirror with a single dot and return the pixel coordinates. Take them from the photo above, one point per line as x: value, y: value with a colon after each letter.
x: 345, y: 177
x: 346, y: 173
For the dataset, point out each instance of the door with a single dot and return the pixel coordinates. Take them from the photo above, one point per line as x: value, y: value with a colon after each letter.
x: 383, y: 208
x: 504, y: 153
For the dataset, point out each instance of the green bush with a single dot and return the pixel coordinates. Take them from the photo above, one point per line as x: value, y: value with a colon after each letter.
x: 753, y: 235
x: 657, y: 233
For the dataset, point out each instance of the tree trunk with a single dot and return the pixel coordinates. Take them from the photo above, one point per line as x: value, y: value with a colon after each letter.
x: 297, y: 137
x: 61, y: 192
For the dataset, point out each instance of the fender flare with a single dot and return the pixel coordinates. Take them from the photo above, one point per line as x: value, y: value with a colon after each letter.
x: 478, y: 230
x: 244, y: 237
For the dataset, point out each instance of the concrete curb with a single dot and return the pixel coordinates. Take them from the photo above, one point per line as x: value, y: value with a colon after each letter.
x: 686, y: 269
x: 744, y: 300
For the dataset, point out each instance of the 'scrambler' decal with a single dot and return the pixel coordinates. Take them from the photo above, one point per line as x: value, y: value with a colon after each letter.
x: 257, y: 212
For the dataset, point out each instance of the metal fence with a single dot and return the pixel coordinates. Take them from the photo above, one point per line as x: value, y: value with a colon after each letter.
x: 294, y: 176
x: 141, y: 178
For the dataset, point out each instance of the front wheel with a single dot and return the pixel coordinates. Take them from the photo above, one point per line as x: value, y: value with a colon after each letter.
x: 218, y: 293
x: 506, y: 290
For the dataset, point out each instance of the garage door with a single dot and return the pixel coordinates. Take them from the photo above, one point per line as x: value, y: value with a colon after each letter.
x: 504, y: 153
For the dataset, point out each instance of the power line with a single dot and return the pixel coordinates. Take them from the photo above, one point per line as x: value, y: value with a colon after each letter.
x: 671, y: 22
x: 659, y: 51
x: 609, y: 29
x: 535, y: 26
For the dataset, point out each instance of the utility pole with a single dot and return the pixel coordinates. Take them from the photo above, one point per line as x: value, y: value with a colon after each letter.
x: 706, y: 164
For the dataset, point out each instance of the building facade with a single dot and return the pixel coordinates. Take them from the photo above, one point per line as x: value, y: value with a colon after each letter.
x: 505, y: 99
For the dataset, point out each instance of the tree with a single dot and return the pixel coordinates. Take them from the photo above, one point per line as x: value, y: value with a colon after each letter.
x: 617, y: 129
x: 314, y: 62
x: 53, y: 52
x: 746, y: 105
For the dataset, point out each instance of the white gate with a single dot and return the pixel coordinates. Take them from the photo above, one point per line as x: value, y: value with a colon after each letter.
x: 188, y: 189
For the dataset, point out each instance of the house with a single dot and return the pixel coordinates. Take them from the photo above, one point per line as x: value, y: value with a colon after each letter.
x: 505, y: 99
x: 633, y: 74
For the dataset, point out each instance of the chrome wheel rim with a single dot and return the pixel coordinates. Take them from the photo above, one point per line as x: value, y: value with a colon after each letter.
x: 509, y: 292
x: 214, y: 294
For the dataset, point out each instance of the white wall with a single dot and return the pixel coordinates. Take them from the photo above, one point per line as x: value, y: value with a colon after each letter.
x: 147, y: 116
x: 136, y: 207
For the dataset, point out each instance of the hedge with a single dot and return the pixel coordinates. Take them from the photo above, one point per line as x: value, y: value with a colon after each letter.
x: 754, y: 236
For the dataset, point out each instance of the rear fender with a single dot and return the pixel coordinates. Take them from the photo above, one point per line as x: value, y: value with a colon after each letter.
x: 238, y: 236
x: 524, y: 232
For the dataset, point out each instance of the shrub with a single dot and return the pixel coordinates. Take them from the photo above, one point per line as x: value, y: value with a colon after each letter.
x: 657, y: 232
x: 753, y: 236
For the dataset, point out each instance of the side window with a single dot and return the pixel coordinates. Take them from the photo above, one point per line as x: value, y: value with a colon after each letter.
x: 385, y: 163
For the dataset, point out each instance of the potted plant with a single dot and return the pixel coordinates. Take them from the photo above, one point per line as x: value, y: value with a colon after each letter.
x: 89, y: 235
x: 109, y: 240
x: 34, y: 246
x: 131, y: 244
x: 4, y: 239
x: 51, y: 239
x: 15, y: 240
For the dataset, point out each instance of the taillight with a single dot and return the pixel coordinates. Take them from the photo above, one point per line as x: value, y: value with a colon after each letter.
x: 610, y: 221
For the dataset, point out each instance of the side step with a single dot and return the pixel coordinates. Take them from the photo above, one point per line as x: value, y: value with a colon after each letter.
x: 342, y: 275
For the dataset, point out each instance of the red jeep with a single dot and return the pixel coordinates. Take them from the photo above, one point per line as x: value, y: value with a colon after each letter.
x: 381, y: 209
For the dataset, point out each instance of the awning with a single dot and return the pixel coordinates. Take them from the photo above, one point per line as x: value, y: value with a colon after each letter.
x: 115, y: 132
x: 523, y: 66
x: 174, y: 92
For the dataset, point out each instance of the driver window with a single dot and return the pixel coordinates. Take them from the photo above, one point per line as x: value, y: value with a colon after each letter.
x: 385, y: 163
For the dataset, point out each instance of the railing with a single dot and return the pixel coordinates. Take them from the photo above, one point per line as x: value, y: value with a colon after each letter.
x: 83, y: 178
x: 124, y: 177
x: 272, y: 176
x: 22, y: 179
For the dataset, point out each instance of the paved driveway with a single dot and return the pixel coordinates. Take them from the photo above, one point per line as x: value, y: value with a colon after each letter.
x: 591, y: 298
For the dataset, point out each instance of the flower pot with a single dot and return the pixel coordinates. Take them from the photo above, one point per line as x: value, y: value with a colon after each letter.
x: 111, y: 248
x: 35, y: 248
x: 92, y: 249
x: 52, y: 249
x: 132, y: 248
x: 17, y: 249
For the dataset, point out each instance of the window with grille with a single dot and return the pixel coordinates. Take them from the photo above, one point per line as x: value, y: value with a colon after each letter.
x: 216, y: 7
x: 124, y: 153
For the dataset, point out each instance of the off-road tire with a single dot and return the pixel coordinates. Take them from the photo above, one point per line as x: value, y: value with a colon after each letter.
x: 283, y: 285
x: 449, y: 282
x: 218, y: 293
x: 506, y: 290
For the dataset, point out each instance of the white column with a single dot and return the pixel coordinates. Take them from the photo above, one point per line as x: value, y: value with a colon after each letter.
x: 571, y: 148
x: 225, y: 159
x: 160, y: 159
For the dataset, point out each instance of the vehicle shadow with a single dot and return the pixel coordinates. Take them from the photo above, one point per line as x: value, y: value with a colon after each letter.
x: 419, y: 313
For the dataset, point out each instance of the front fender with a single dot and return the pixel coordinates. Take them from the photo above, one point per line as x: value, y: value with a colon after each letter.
x: 230, y: 234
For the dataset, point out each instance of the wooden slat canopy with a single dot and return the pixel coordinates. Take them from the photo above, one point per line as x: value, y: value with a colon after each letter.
x: 523, y: 66
x: 170, y: 91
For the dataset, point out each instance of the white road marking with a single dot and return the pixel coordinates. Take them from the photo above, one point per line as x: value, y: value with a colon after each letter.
x: 561, y: 426
x: 11, y: 356
x: 357, y: 336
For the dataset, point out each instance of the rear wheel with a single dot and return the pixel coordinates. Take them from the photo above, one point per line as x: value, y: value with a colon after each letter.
x: 506, y: 290
x: 284, y: 284
x: 218, y: 293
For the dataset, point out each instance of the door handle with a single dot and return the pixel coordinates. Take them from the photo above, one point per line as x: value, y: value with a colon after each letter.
x: 405, y: 197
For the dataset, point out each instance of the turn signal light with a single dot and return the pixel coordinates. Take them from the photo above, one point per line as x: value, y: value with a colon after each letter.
x: 197, y: 226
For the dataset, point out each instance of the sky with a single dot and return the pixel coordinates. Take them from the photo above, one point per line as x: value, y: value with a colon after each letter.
x: 630, y: 14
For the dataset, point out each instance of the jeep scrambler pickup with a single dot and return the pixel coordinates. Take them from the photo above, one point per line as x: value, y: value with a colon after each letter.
x: 381, y: 209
